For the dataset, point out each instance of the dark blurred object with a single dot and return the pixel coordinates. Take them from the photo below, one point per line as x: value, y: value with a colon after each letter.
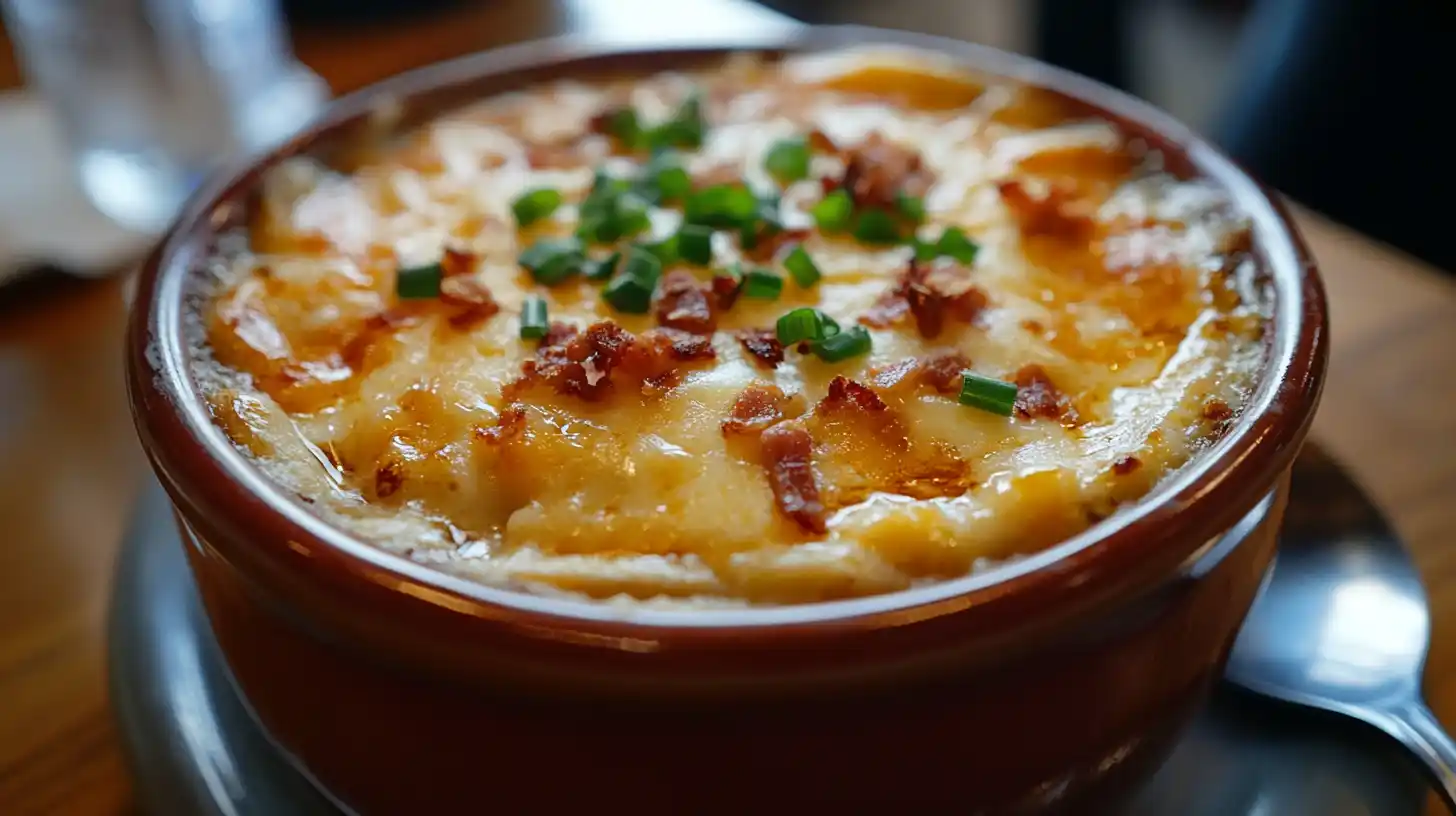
x: 1333, y: 102
x: 342, y: 12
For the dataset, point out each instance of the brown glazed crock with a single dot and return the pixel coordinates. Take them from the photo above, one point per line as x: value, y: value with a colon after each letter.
x: 1054, y: 684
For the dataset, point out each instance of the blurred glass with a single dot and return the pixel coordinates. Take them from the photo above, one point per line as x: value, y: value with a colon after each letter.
x: 152, y: 94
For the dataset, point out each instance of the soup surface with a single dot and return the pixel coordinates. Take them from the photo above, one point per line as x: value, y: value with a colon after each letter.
x: 775, y: 332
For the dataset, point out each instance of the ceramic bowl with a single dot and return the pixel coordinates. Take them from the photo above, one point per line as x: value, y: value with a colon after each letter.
x: 1051, y: 684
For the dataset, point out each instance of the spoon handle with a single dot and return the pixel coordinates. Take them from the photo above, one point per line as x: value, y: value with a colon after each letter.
x: 1418, y: 728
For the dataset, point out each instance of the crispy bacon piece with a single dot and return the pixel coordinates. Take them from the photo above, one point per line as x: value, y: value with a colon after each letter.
x: 1037, y: 396
x: 456, y: 262
x: 769, y: 241
x: 469, y: 300
x: 1216, y: 410
x: 819, y: 142
x: 787, y: 451
x: 685, y: 304
x: 847, y: 395
x: 940, y: 370
x: 763, y: 345
x: 725, y: 290
x: 1056, y: 215
x: 929, y: 294
x: 758, y: 407
x: 583, y: 364
x: 877, y: 171
x: 510, y: 425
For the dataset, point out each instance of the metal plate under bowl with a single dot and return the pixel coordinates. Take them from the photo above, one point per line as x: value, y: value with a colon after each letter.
x: 195, y: 749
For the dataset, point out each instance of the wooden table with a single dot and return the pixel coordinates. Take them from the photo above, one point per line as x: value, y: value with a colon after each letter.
x: 71, y: 467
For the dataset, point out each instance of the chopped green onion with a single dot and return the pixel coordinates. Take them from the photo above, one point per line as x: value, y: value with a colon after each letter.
x: 805, y: 324
x: 533, y: 319
x: 954, y: 243
x: 418, y: 282
x: 629, y: 294
x: 802, y: 268
x: 665, y: 251
x: 601, y: 269
x: 534, y: 205
x: 625, y: 126
x: 925, y: 251
x: 851, y: 342
x: 684, y: 129
x: 695, y: 244
x: 911, y: 207
x: 552, y: 260
x: 722, y: 206
x: 665, y: 179
x: 787, y: 160
x: 876, y: 227
x: 643, y: 265
x: 762, y: 284
x: 987, y: 394
x: 834, y: 211
x: 610, y: 212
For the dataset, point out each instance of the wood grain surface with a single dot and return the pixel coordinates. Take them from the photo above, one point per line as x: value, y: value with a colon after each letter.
x: 71, y: 466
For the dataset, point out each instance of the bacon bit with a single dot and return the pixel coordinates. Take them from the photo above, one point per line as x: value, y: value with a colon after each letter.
x: 819, y: 142
x: 1056, y: 215
x: 684, y: 304
x: 763, y: 345
x: 877, y: 171
x: 1037, y: 396
x: 387, y: 479
x: 553, y: 156
x: 559, y: 334
x: 470, y: 298
x: 510, y: 426
x: 757, y: 407
x: 457, y: 262
x: 940, y: 370
x: 768, y: 242
x: 659, y: 384
x: 582, y: 364
x: 787, y: 456
x: 356, y: 349
x: 928, y: 300
x: 1217, y: 411
x: 846, y: 394
x: 725, y: 290
x: 1126, y: 465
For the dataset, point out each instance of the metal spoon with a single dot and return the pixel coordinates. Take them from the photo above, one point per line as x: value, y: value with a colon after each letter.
x: 1341, y: 623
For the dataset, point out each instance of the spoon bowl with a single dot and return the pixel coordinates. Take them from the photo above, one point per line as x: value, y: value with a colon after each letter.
x: 1341, y: 623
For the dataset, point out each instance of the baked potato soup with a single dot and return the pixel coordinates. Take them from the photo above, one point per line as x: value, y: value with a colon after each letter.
x: 779, y: 331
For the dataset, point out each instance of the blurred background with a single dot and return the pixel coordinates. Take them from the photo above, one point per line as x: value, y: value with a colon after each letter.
x: 1334, y: 102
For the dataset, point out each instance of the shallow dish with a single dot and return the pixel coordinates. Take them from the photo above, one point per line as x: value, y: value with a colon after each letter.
x: 1051, y: 682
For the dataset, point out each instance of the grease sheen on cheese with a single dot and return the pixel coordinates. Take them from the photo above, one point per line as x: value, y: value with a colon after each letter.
x: 1127, y: 287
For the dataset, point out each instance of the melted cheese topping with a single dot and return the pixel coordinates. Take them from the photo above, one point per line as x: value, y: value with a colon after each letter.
x: 1131, y: 300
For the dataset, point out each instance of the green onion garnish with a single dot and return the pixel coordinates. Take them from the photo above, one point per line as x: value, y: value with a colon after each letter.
x: 665, y: 251
x: 925, y: 251
x: 762, y: 284
x: 987, y: 394
x: 805, y: 323
x: 876, y: 227
x: 801, y: 267
x: 695, y: 244
x: 665, y: 179
x: 911, y: 207
x: 834, y: 211
x: 601, y: 269
x: 684, y: 129
x: 534, y: 205
x: 643, y: 265
x: 552, y: 260
x: 625, y: 126
x: 852, y: 342
x: 629, y: 294
x: 418, y: 282
x: 723, y: 206
x: 610, y: 212
x: 533, y: 319
x: 954, y: 243
x: 787, y: 160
